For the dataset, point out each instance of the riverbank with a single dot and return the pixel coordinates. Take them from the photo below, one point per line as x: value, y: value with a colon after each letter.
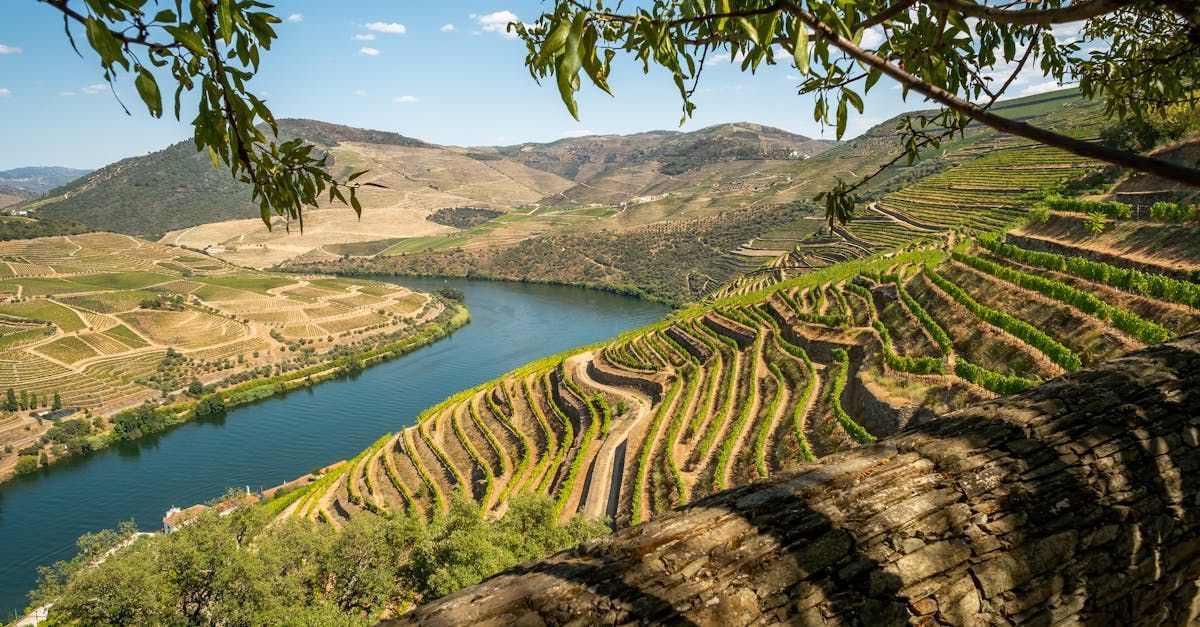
x: 281, y: 438
x: 386, y: 273
x: 76, y: 437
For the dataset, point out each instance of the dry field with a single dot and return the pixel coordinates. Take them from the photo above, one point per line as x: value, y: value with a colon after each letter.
x: 418, y: 181
x: 94, y: 317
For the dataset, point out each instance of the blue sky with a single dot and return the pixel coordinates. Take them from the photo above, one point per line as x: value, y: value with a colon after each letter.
x: 439, y: 71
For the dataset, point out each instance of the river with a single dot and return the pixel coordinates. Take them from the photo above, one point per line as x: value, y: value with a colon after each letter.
x: 276, y: 440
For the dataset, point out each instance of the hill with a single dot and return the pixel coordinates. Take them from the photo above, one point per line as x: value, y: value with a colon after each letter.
x: 102, y: 322
x: 178, y: 193
x: 21, y: 184
x: 670, y: 246
x: 791, y: 382
x: 39, y: 180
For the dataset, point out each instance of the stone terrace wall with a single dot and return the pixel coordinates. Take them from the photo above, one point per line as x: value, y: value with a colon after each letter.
x: 1078, y: 500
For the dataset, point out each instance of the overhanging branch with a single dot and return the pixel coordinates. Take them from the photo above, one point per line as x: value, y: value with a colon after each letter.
x: 1134, y: 161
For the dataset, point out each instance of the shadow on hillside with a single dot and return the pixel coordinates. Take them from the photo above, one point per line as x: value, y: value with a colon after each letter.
x: 1108, y: 541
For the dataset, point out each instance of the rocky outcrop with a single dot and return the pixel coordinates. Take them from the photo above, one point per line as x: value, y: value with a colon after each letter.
x: 1076, y: 501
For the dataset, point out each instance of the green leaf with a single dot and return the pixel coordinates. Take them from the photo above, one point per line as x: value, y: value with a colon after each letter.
x: 554, y: 42
x: 800, y: 47
x: 842, y: 115
x: 104, y: 43
x: 147, y: 88
x: 722, y: 8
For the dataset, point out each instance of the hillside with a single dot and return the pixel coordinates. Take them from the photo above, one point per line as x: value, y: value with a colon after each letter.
x: 793, y: 391
x: 667, y: 247
x: 179, y: 194
x: 25, y: 183
x: 753, y: 385
x: 102, y: 322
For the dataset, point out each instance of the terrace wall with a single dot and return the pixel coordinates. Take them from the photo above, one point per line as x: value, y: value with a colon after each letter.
x: 1077, y: 501
x: 649, y: 387
x: 1047, y: 246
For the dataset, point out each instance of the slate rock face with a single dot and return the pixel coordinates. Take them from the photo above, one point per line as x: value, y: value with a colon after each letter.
x: 1076, y: 501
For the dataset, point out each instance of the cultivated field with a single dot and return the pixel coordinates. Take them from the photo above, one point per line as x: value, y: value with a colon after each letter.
x: 922, y: 304
x: 108, y: 321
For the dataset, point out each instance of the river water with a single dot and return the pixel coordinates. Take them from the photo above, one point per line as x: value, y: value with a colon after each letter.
x: 279, y: 439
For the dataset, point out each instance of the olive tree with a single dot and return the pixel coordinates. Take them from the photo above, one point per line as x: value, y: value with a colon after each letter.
x: 1140, y: 57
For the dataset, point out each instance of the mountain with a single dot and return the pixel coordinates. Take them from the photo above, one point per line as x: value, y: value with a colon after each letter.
x: 177, y: 192
x: 25, y: 183
x: 40, y: 179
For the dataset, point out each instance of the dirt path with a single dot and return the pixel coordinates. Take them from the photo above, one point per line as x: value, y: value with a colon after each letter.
x: 605, y: 472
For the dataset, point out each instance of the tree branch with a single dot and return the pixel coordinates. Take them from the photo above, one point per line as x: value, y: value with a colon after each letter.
x: 1074, y: 13
x: 1134, y: 161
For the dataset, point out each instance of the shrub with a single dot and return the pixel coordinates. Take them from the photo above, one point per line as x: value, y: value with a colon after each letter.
x: 1024, y: 331
x: 1109, y: 209
x: 853, y: 429
x: 935, y: 330
x: 903, y: 363
x: 1087, y: 302
x: 1095, y: 222
x: 1152, y: 285
x: 989, y: 380
x: 26, y: 464
x: 1174, y: 212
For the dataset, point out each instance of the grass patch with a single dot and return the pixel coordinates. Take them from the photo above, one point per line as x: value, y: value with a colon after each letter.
x: 259, y: 284
x: 46, y: 310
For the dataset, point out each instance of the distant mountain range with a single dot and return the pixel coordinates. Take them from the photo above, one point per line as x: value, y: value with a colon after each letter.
x: 176, y: 188
x: 24, y: 183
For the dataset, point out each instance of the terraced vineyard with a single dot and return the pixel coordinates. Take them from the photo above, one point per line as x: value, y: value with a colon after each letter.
x: 990, y: 188
x: 724, y: 394
x: 107, y: 321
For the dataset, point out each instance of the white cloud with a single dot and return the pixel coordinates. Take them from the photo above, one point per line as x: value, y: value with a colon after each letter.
x: 360, y: 92
x: 496, y: 22
x: 370, y: 52
x: 1041, y: 88
x: 9, y: 49
x: 404, y: 99
x: 391, y: 28
x: 5, y: 92
x: 66, y: 94
x: 364, y: 37
x: 447, y: 28
x: 872, y: 37
x: 95, y: 88
x: 295, y: 18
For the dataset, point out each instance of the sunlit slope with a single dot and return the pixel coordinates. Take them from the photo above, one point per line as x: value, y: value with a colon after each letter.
x: 724, y: 394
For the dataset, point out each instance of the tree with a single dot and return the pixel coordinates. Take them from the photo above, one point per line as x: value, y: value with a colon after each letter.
x: 1146, y: 59
x: 212, y: 47
x: 10, y: 401
x: 57, y: 403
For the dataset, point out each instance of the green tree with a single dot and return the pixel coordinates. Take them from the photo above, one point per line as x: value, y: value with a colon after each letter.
x: 1140, y: 58
x: 26, y: 464
x: 10, y: 401
x: 212, y: 48
x: 56, y: 404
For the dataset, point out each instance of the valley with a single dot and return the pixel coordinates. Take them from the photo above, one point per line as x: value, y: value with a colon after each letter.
x: 763, y: 381
x: 98, y: 323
